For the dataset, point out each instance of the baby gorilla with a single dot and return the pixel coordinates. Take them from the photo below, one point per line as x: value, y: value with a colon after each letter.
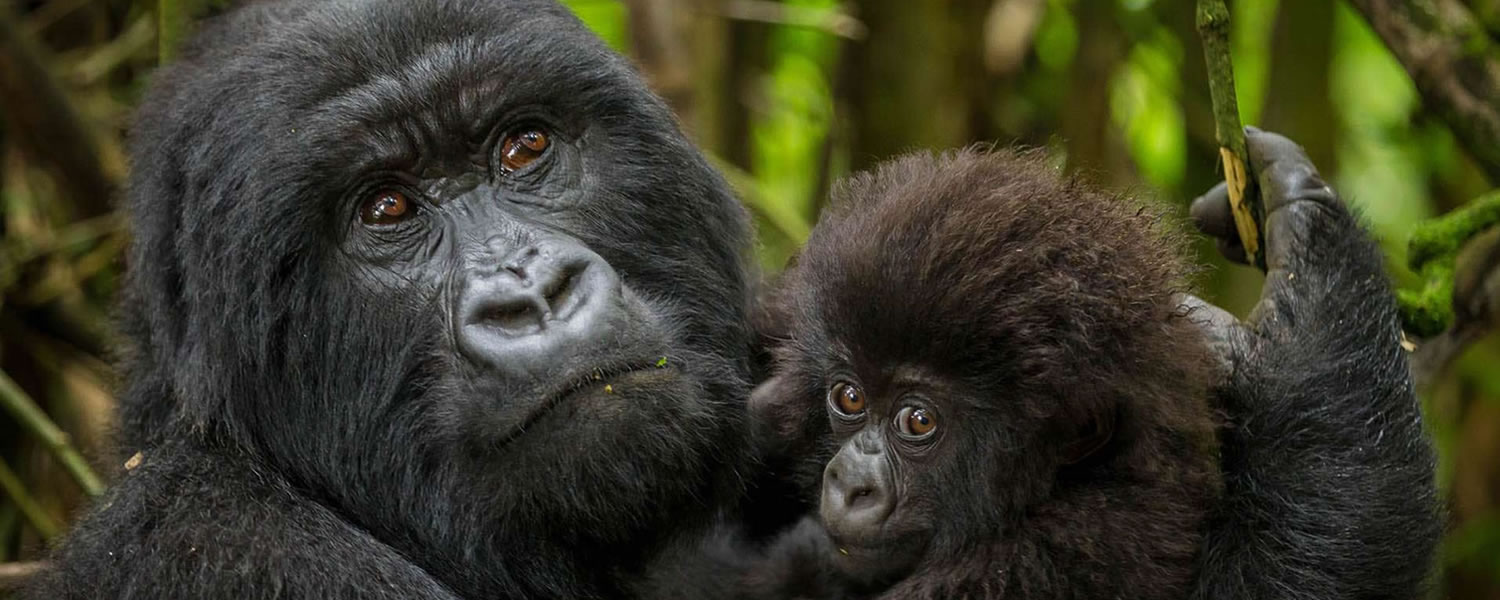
x: 984, y: 370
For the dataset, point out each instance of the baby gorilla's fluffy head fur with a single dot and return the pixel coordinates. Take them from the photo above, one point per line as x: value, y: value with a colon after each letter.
x: 1036, y: 321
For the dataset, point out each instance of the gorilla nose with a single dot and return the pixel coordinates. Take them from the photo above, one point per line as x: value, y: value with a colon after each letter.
x: 533, y: 292
x: 857, y: 493
x: 538, y: 302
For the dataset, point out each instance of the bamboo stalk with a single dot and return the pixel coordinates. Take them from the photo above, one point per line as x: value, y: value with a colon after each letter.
x: 1213, y: 27
x: 31, y: 417
x: 10, y: 521
x: 11, y: 485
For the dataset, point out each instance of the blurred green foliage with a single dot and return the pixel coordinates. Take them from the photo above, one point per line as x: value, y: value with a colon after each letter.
x: 788, y: 97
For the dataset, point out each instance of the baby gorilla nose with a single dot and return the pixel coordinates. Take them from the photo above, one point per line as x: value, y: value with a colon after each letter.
x: 536, y: 305
x: 858, y: 495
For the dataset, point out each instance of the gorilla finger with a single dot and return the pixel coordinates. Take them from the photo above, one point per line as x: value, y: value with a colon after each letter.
x: 1210, y: 212
x: 1226, y: 335
x: 1284, y: 171
x: 1232, y: 250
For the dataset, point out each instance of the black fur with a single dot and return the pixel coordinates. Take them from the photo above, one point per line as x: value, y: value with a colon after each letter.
x: 309, y: 430
x: 1329, y: 476
x: 1028, y: 309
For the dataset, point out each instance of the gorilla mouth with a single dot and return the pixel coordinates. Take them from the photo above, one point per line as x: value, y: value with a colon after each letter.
x: 605, y: 377
x: 599, y: 379
x: 870, y: 562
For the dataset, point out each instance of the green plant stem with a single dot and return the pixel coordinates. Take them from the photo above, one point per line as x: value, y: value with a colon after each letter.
x: 174, y: 23
x: 11, y: 485
x: 1213, y: 28
x: 171, y: 26
x: 9, y: 521
x: 31, y: 417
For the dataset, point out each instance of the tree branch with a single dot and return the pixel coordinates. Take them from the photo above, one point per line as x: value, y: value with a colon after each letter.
x: 1454, y: 64
x: 1433, y: 252
x: 1475, y: 307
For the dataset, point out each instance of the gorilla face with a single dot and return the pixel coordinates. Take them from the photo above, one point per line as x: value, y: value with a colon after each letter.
x: 445, y: 263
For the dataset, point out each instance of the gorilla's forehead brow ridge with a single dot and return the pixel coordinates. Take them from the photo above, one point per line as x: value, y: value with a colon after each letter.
x: 456, y: 66
x: 441, y: 82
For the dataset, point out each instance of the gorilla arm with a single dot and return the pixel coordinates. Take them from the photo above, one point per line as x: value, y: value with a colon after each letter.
x: 1329, y: 489
x: 190, y: 523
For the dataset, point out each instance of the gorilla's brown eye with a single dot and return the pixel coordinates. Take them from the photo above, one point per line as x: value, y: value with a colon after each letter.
x: 916, y: 422
x: 847, y: 398
x: 522, y: 148
x: 385, y: 207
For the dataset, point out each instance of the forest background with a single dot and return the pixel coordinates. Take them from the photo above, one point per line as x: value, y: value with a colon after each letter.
x: 1397, y: 102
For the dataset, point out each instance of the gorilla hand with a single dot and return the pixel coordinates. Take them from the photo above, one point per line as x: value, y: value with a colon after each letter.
x: 1328, y: 475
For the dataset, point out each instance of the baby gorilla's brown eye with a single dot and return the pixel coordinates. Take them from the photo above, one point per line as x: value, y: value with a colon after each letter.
x: 386, y: 207
x: 847, y: 398
x: 522, y: 148
x: 916, y: 422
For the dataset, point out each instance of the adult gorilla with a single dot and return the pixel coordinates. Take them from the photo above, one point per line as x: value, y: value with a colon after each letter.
x: 403, y: 279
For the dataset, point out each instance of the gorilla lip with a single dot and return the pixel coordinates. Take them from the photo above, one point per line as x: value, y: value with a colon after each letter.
x: 610, y: 374
x: 597, y: 377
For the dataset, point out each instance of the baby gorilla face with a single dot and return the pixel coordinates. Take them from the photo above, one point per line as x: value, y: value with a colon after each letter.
x: 913, y: 465
x: 981, y: 377
x: 877, y: 535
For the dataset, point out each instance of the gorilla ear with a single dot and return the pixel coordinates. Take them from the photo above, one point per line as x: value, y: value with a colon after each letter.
x: 770, y: 324
x: 1091, y: 436
x: 775, y: 415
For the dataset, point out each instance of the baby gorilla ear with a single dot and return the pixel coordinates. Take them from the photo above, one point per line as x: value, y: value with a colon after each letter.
x: 777, y: 417
x: 1091, y: 434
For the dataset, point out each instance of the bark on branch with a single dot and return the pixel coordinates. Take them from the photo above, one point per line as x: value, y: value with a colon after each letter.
x: 1476, y: 307
x: 1455, y: 64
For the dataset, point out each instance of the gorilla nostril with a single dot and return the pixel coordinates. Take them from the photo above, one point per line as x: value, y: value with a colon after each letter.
x: 561, y: 292
x: 517, y: 262
x: 519, y: 316
x: 860, y: 498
